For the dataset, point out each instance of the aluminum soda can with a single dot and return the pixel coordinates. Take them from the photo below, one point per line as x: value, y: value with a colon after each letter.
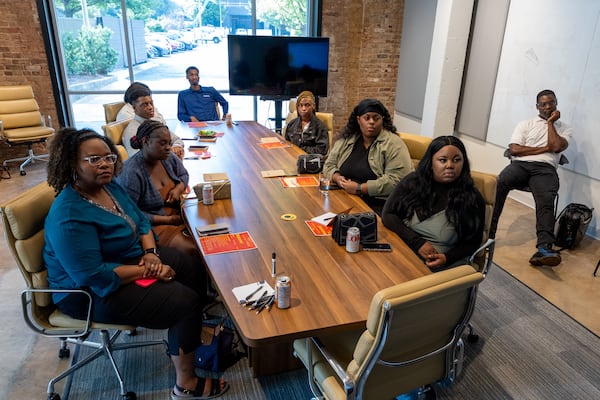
x: 283, y: 288
x: 353, y: 240
x: 207, y: 194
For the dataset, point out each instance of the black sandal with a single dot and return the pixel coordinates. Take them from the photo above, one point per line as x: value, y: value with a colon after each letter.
x: 196, y: 394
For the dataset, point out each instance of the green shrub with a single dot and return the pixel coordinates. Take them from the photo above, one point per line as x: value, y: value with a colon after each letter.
x: 89, y: 51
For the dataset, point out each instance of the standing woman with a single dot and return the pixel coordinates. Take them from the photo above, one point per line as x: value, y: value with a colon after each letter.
x: 437, y: 210
x: 97, y: 239
x: 307, y: 131
x: 369, y: 158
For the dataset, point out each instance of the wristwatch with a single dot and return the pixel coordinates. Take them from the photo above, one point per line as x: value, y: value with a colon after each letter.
x: 359, y: 189
x: 152, y: 250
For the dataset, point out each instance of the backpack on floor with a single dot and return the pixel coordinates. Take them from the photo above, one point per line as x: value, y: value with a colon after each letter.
x: 571, y: 225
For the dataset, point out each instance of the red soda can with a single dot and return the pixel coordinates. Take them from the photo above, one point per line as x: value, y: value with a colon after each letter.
x: 353, y: 240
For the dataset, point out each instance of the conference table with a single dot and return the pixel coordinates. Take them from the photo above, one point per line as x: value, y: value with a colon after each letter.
x: 331, y: 289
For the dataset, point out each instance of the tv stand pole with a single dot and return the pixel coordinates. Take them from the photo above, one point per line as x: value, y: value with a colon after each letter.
x: 278, y: 110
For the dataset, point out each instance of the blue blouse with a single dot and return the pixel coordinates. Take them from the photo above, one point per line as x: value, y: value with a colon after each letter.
x: 84, y: 242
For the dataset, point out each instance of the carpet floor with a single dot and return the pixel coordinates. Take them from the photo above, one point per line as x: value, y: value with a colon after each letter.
x: 528, y: 349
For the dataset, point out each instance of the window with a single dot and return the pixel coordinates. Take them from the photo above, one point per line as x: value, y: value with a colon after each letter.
x: 100, y: 52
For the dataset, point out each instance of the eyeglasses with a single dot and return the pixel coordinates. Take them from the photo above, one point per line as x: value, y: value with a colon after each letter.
x: 97, y: 160
x: 547, y: 103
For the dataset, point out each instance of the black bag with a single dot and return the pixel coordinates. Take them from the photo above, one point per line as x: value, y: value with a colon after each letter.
x: 221, y: 346
x: 571, y: 225
x: 310, y: 163
x: 366, y: 222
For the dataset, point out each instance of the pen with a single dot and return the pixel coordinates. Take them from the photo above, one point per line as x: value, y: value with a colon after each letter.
x: 256, y: 303
x: 270, y: 303
x: 273, y: 273
x: 253, y: 293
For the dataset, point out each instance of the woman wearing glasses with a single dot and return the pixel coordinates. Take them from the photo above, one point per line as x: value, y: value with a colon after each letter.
x: 368, y: 158
x: 97, y: 239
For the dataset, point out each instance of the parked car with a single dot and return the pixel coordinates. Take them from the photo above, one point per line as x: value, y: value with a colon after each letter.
x: 162, y: 45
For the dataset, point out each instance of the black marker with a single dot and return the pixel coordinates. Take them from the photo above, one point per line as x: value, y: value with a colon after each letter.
x: 273, y: 271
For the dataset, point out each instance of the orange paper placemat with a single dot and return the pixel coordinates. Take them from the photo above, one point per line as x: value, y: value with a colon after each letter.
x: 299, y: 181
x: 273, y: 145
x: 227, y: 243
x: 318, y: 229
x: 197, y: 124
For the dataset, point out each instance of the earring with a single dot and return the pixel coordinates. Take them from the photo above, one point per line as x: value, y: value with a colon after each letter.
x: 75, y: 177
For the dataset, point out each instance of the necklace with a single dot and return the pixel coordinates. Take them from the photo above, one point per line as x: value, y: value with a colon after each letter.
x: 116, y: 209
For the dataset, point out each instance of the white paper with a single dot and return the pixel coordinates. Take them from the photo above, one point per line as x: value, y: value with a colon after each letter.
x: 324, y: 219
x: 241, y: 292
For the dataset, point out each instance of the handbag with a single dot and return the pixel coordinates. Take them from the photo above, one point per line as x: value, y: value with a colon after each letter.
x: 365, y: 221
x: 310, y: 163
x: 221, y: 189
x: 221, y: 347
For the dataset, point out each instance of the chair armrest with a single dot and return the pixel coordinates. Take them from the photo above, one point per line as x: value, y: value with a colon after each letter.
x: 488, y: 246
x: 33, y: 320
x: 347, y: 381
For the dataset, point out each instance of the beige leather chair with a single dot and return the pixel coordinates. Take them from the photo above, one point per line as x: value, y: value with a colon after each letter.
x: 111, y: 110
x: 23, y: 222
x: 486, y: 184
x: 326, y: 118
x: 21, y: 123
x: 412, y: 339
x: 417, y: 145
x: 114, y: 131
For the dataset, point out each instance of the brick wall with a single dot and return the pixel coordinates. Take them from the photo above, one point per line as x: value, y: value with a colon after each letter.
x: 364, y: 52
x: 23, y: 61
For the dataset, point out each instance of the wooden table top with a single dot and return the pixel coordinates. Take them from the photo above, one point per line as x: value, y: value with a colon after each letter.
x: 331, y: 288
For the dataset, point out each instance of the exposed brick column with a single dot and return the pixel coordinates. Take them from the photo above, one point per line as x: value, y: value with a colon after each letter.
x: 23, y: 60
x: 364, y: 52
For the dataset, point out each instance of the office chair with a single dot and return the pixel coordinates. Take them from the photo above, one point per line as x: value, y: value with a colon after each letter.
x: 417, y: 146
x: 111, y: 110
x: 114, y: 131
x: 21, y: 123
x: 23, y: 222
x: 412, y: 339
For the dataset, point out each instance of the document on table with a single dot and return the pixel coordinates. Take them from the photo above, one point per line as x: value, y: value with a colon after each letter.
x: 227, y: 243
x: 300, y: 181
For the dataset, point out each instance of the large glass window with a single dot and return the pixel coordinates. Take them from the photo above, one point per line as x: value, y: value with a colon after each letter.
x: 102, y: 51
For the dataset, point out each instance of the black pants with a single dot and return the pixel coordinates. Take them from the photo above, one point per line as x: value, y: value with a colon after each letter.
x: 542, y: 180
x: 176, y: 305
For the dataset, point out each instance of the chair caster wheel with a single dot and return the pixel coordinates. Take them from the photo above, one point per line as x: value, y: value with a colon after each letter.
x: 129, y: 396
x: 53, y: 396
x: 472, y: 338
x: 64, y: 353
x: 23, y: 173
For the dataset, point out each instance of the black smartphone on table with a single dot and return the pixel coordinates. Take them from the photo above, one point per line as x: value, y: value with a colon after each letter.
x: 377, y: 247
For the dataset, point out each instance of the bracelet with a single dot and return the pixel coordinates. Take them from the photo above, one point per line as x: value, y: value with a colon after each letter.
x: 359, y: 189
x: 152, y: 250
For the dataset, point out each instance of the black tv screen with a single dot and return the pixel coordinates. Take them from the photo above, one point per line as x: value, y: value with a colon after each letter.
x: 278, y: 66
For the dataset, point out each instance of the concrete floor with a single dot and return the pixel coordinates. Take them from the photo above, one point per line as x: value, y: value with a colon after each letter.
x: 28, y: 361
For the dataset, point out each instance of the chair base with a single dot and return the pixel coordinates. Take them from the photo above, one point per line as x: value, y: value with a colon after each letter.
x: 106, y: 347
x: 31, y: 158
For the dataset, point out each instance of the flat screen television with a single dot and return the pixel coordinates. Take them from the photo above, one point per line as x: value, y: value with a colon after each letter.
x: 277, y: 67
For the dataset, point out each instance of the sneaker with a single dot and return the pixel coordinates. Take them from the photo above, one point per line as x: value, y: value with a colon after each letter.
x: 545, y: 256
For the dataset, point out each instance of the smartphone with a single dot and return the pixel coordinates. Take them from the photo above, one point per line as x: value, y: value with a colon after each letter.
x: 377, y: 247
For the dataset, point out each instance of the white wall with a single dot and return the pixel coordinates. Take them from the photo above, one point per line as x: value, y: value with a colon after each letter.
x: 441, y: 100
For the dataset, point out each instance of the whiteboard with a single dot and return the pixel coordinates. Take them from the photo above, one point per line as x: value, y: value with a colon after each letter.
x: 552, y: 45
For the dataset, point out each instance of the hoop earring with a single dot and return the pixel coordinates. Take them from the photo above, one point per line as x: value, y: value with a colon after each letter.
x: 75, y: 177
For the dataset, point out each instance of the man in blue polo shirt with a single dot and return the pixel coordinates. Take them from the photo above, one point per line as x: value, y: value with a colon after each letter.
x: 198, y: 102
